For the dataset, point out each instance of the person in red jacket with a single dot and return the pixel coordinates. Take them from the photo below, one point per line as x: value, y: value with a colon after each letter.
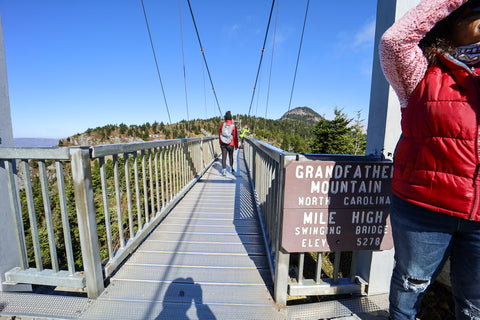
x: 430, y: 57
x: 228, y: 141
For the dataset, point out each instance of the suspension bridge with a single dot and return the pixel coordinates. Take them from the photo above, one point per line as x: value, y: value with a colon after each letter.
x: 196, y: 248
x: 161, y: 234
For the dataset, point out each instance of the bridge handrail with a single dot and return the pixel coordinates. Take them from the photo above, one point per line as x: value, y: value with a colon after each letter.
x: 166, y: 168
x: 265, y: 165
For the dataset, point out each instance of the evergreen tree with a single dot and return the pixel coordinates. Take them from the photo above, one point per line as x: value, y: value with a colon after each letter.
x: 332, y: 136
x: 123, y: 128
x: 358, y: 137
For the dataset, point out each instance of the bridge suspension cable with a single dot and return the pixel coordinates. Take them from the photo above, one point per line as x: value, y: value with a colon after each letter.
x: 156, y: 62
x: 183, y: 58
x: 271, y: 61
x: 298, y: 56
x: 261, y: 57
x: 204, y: 58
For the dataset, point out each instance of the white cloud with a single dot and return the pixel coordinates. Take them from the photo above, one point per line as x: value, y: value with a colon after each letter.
x: 364, y: 38
x: 366, y: 35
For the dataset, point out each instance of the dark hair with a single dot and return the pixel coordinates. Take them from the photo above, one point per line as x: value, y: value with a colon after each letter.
x: 439, y: 38
x: 228, y: 116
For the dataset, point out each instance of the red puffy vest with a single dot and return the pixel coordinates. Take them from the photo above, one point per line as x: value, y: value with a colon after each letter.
x: 437, y: 158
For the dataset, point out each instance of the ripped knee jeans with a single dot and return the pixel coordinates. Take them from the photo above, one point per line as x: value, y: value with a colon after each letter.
x: 423, y: 241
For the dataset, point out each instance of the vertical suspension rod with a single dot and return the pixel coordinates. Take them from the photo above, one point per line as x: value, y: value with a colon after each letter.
x: 261, y: 56
x: 204, y: 58
x: 156, y: 62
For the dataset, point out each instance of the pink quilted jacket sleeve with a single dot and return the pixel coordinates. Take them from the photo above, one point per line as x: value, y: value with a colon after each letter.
x: 403, y: 62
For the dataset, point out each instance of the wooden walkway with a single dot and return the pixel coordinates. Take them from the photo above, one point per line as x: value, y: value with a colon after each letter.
x: 206, y: 260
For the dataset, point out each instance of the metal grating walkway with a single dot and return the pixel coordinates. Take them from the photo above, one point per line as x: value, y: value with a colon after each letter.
x: 206, y: 260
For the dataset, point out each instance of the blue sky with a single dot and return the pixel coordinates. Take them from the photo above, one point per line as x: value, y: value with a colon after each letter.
x: 74, y: 65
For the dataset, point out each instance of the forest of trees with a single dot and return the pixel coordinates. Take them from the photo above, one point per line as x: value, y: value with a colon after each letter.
x: 298, y: 133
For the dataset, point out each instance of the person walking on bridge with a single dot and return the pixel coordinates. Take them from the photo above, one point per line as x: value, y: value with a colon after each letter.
x: 228, y: 141
x: 431, y: 58
x: 245, y: 131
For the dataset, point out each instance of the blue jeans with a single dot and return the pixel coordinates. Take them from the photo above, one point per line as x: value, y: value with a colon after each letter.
x: 424, y: 240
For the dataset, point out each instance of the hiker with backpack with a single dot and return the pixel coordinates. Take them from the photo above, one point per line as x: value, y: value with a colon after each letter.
x: 228, y: 141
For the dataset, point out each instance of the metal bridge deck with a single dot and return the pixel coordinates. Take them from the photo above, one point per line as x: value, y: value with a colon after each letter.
x: 206, y: 260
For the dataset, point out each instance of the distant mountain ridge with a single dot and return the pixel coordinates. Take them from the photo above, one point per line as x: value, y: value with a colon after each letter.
x: 35, y: 142
x: 304, y: 114
x: 294, y: 128
x: 114, y: 134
